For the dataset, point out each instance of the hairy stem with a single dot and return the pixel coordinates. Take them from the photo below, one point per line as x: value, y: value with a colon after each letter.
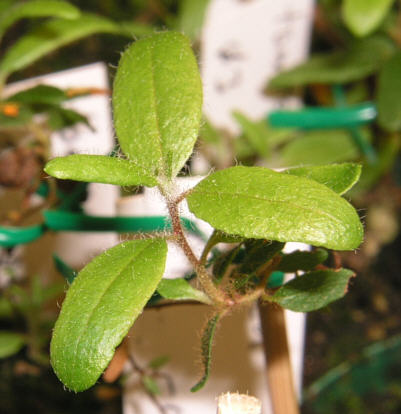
x: 215, y: 294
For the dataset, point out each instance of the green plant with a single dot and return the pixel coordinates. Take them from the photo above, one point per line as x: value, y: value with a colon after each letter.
x: 157, y: 102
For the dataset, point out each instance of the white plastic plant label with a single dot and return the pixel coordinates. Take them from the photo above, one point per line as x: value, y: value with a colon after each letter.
x: 245, y: 43
x: 78, y: 248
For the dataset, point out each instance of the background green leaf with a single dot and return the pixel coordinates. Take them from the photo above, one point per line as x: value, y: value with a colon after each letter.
x: 257, y: 133
x: 313, y: 290
x: 259, y: 203
x: 361, y: 59
x: 98, y: 169
x: 10, y: 343
x: 191, y: 15
x: 51, y: 36
x: 363, y: 17
x: 37, y: 8
x: 100, y: 307
x: 302, y: 260
x: 320, y: 147
x: 338, y: 177
x: 180, y: 289
x: 157, y: 102
x: 388, y: 94
x: 40, y: 94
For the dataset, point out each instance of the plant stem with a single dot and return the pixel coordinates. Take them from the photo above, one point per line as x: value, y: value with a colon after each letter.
x: 215, y: 294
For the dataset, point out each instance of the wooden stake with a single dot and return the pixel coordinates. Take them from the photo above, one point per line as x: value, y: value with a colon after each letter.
x: 278, y: 363
x: 238, y: 404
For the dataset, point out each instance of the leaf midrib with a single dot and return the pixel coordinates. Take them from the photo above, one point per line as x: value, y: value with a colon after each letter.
x: 321, y: 212
x: 99, y: 301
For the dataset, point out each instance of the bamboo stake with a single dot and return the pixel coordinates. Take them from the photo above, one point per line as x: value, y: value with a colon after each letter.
x: 238, y: 404
x: 278, y: 363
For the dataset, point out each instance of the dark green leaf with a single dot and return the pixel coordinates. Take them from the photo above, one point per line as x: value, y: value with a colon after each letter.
x: 223, y: 261
x: 313, y: 290
x: 49, y: 37
x: 40, y: 94
x: 388, y: 94
x: 100, y: 307
x: 10, y: 343
x: 257, y: 133
x: 6, y: 308
x: 37, y: 8
x: 157, y: 103
x: 207, y: 344
x: 191, y: 15
x: 260, y: 203
x: 363, y: 17
x: 361, y: 59
x: 301, y: 260
x: 259, y: 252
x: 59, y: 118
x: 180, y: 289
x: 320, y: 147
x: 98, y: 169
x: 339, y: 177
x: 151, y: 385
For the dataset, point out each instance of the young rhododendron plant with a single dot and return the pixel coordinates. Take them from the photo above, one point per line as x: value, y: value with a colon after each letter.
x: 157, y: 101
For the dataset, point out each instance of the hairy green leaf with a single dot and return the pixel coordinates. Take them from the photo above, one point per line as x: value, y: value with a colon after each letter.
x: 180, y: 289
x: 191, y: 15
x: 10, y: 343
x: 206, y: 348
x: 363, y: 17
x: 256, y: 133
x: 302, y: 260
x: 388, y: 94
x: 98, y: 169
x: 320, y: 147
x: 339, y: 177
x: 37, y: 8
x: 260, y: 203
x: 313, y: 290
x: 221, y: 264
x: 40, y: 94
x: 157, y: 102
x: 361, y: 59
x: 51, y: 36
x: 100, y: 307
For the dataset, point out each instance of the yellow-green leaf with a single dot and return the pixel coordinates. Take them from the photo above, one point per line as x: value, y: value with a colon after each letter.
x: 98, y: 169
x: 260, y: 203
x: 100, y: 307
x: 157, y: 103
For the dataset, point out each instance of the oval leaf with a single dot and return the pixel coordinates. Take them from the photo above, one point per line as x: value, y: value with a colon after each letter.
x: 362, y: 59
x: 98, y: 169
x: 388, y: 95
x: 180, y: 289
x: 100, y: 307
x: 320, y: 147
x: 362, y: 17
x: 38, y: 8
x: 49, y: 37
x: 313, y: 290
x: 302, y: 260
x: 10, y: 343
x: 338, y: 177
x: 157, y: 102
x: 260, y: 203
